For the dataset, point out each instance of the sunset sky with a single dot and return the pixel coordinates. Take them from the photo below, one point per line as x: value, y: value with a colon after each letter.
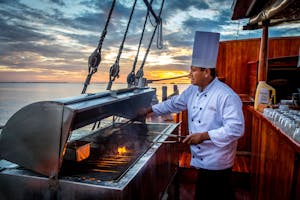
x: 51, y: 40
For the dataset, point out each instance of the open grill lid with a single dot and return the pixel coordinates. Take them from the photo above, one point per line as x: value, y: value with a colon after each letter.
x: 36, y: 136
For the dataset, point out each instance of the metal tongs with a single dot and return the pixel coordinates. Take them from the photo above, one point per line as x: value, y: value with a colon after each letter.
x: 169, y: 135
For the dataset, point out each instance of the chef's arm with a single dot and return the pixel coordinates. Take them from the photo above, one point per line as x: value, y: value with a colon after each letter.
x: 196, y: 138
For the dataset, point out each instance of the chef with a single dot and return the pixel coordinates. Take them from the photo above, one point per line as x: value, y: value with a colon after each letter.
x: 215, y: 120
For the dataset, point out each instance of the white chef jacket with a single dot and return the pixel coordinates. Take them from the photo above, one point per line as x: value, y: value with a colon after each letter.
x: 216, y: 110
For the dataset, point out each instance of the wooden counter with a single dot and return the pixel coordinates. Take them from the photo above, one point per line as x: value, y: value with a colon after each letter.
x: 275, y: 161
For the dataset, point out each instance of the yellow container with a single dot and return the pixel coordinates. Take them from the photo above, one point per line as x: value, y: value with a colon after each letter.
x: 265, y: 95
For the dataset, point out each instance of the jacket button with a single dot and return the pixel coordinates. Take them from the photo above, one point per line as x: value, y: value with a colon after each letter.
x: 193, y: 156
x: 199, y: 147
x: 205, y: 95
x: 201, y: 158
x: 199, y: 121
x: 192, y: 120
x: 200, y: 108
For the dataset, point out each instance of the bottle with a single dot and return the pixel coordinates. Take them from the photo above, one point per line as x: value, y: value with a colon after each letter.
x: 265, y: 95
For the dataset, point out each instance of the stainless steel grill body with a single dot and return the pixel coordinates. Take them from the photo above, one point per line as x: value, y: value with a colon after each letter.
x: 146, y: 178
x: 34, y: 140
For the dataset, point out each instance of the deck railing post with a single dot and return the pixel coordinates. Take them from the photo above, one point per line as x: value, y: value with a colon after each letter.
x: 263, y: 53
x: 164, y: 93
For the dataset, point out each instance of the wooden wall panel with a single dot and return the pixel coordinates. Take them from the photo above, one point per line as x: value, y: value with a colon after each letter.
x: 244, y: 143
x: 252, y: 78
x: 234, y: 55
x: 232, y: 62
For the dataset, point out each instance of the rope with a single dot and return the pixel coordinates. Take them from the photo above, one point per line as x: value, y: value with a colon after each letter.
x: 159, y: 42
x: 159, y: 35
x: 157, y: 18
x: 151, y: 22
x: 95, y: 57
x: 131, y: 75
x: 140, y: 72
x: 115, y: 68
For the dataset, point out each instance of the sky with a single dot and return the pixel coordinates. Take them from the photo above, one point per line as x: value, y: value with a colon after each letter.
x: 51, y: 40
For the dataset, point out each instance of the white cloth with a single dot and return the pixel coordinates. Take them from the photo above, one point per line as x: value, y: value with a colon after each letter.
x: 205, y: 49
x: 216, y: 110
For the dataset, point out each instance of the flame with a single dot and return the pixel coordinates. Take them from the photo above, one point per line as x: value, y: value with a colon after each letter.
x: 122, y: 150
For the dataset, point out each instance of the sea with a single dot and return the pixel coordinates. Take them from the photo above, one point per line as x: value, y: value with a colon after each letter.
x: 14, y: 96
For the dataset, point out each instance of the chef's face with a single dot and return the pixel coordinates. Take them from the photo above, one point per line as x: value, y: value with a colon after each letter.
x: 199, y: 76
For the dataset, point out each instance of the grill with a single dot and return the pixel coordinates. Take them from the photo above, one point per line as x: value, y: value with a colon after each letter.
x: 121, y: 161
x: 112, y: 152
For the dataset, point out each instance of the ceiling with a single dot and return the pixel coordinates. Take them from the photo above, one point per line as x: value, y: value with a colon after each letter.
x: 273, y: 12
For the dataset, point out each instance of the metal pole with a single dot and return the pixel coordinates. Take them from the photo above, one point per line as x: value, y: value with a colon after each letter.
x: 175, y: 89
x: 164, y: 93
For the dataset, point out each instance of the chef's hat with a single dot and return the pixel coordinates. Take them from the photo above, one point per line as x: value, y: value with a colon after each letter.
x: 205, y: 51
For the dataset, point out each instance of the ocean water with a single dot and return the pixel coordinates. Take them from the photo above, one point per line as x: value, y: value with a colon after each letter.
x: 14, y: 96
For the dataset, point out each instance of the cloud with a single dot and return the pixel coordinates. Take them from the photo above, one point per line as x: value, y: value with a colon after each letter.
x: 59, y: 2
x: 53, y: 38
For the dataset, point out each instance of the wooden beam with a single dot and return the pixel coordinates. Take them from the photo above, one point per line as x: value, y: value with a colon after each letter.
x: 263, y: 53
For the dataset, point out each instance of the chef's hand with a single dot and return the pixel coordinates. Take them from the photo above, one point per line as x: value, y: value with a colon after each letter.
x: 196, y: 138
x: 142, y: 113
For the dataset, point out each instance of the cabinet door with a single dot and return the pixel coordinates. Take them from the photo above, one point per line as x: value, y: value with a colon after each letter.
x: 276, y: 165
x: 296, y: 183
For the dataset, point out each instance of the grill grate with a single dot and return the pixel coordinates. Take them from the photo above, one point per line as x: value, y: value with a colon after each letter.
x: 113, y: 152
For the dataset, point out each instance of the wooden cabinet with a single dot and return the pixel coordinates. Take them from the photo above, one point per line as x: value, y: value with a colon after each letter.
x: 274, y: 161
x: 234, y: 56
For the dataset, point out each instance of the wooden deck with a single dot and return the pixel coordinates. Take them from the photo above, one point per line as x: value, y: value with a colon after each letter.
x: 241, y: 163
x: 183, y: 186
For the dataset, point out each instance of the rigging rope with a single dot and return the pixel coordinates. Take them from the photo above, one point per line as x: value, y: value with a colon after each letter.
x: 140, y: 72
x: 115, y: 68
x: 159, y: 42
x: 159, y: 35
x: 95, y: 57
x: 131, y: 75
